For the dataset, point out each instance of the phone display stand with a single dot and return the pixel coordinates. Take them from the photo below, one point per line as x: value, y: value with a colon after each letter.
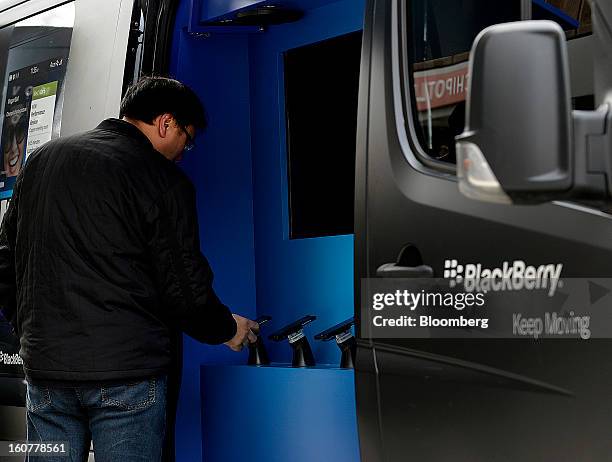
x: 345, y: 341
x: 258, y: 355
x: 294, y: 332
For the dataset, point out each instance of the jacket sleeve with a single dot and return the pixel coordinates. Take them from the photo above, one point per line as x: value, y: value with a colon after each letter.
x: 183, y: 274
x: 8, y: 283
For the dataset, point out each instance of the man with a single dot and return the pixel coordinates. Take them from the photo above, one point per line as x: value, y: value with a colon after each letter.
x: 99, y: 262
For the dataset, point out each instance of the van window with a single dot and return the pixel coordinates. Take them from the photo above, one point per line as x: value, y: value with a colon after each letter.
x: 33, y: 60
x: 440, y: 36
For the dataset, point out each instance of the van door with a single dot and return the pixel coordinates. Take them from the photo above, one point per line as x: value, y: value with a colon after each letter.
x: 469, y: 399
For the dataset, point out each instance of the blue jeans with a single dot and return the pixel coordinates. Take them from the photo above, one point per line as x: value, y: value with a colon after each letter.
x: 126, y: 422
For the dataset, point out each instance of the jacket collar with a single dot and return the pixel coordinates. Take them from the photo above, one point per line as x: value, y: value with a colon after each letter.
x: 124, y: 128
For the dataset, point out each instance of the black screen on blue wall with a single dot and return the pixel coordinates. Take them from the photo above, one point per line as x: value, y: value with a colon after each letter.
x: 321, y: 87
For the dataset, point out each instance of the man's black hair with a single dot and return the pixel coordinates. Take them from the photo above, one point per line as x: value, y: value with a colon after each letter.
x: 153, y: 96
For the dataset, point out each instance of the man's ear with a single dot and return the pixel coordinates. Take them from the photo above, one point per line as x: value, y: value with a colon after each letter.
x: 162, y: 123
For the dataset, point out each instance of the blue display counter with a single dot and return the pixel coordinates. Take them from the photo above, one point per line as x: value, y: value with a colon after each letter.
x: 278, y: 413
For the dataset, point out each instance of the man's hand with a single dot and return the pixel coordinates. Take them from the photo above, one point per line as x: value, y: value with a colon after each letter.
x: 245, y: 333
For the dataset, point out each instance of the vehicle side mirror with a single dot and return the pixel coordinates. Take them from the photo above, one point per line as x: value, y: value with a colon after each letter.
x: 517, y: 144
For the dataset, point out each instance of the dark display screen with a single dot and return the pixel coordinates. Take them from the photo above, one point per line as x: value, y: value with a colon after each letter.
x: 32, y: 101
x: 321, y: 89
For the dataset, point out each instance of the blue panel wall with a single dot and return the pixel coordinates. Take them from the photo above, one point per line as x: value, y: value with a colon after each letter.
x: 220, y: 168
x: 239, y: 169
x: 305, y: 276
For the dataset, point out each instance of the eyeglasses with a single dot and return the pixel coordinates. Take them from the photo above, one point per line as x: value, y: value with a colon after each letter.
x: 190, y: 143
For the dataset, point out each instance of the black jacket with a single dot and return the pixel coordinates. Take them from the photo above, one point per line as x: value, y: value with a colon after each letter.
x: 100, y: 257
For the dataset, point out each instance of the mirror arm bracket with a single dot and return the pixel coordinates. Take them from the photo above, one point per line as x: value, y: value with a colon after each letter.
x: 592, y: 153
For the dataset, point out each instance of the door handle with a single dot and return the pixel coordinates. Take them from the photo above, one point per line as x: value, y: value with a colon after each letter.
x: 409, y: 264
x: 393, y: 270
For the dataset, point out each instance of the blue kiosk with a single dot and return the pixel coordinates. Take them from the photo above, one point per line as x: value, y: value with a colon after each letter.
x: 267, y: 258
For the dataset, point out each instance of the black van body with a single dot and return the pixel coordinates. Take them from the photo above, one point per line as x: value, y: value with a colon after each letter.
x: 466, y: 399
